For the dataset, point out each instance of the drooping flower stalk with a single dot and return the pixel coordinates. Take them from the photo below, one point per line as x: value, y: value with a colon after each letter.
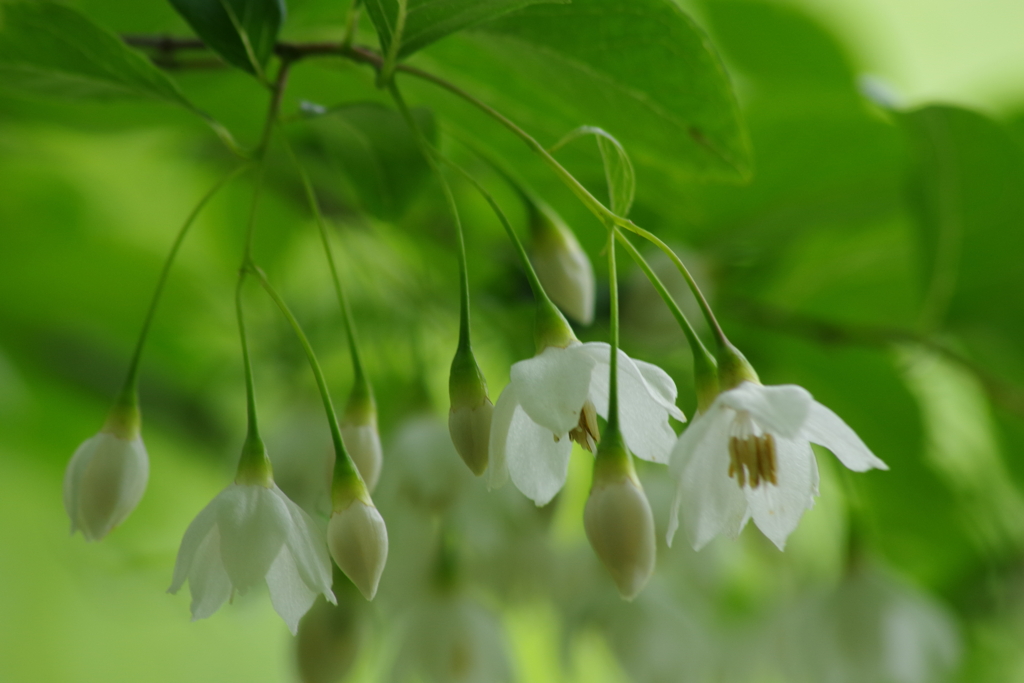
x: 359, y: 420
x: 469, y: 418
x: 705, y: 369
x: 356, y: 534
x: 617, y: 517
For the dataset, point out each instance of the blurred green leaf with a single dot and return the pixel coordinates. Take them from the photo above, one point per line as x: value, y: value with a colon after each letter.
x: 53, y: 50
x: 639, y: 69
x: 618, y: 169
x: 243, y: 32
x: 371, y: 147
x: 428, y: 20
x: 967, y: 191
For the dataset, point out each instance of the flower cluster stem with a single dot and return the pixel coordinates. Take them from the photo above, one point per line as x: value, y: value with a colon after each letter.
x: 361, y: 385
x: 344, y: 468
x: 427, y: 150
x: 129, y: 391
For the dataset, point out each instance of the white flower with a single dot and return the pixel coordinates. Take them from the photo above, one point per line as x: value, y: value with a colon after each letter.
x: 551, y: 400
x: 470, y: 429
x: 358, y: 540
x: 103, y: 483
x: 246, y: 534
x: 750, y: 455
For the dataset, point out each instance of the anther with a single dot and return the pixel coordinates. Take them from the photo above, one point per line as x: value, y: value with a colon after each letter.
x: 586, y: 432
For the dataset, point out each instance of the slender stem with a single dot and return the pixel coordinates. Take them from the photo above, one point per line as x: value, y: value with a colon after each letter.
x: 359, y: 380
x: 343, y: 464
x: 704, y: 306
x: 613, y: 362
x: 531, y: 274
x: 691, y: 335
x: 130, y: 387
x: 427, y: 151
x: 250, y: 390
x: 351, y: 23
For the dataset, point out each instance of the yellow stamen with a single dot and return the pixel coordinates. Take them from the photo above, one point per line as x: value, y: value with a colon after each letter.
x: 753, y: 457
x: 586, y: 432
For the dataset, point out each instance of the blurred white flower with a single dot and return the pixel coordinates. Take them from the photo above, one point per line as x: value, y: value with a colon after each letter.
x: 106, y: 476
x: 874, y: 628
x: 451, y: 639
x: 246, y: 534
x: 750, y: 455
x: 553, y: 399
x: 362, y: 441
x: 330, y: 638
x: 562, y: 266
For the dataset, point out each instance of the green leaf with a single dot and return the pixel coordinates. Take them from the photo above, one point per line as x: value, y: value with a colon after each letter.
x: 371, y: 147
x: 639, y: 69
x: 967, y: 190
x: 428, y: 20
x: 618, y: 169
x: 243, y: 32
x: 54, y: 50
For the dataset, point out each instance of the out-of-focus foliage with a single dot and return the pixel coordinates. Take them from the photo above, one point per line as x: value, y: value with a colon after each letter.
x: 866, y: 252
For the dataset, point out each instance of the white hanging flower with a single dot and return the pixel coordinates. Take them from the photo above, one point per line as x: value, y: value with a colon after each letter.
x: 553, y: 399
x: 358, y: 541
x: 562, y: 266
x: 107, y: 474
x: 749, y: 456
x: 103, y: 483
x: 246, y: 534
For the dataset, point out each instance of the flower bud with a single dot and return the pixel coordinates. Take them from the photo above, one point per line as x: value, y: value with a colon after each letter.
x: 358, y: 541
x: 362, y: 441
x: 561, y: 264
x: 469, y: 420
x: 470, y: 429
x: 329, y: 641
x: 107, y: 475
x: 620, y: 526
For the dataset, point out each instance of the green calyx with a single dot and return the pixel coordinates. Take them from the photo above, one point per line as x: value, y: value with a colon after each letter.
x: 734, y: 368
x: 551, y: 328
x: 705, y: 378
x: 124, y: 419
x: 361, y: 409
x: 254, y: 467
x: 467, y: 386
x: 346, y: 488
x: 613, y: 462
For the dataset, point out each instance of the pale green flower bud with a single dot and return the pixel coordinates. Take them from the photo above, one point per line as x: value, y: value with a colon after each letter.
x: 561, y: 264
x: 619, y: 524
x: 107, y: 475
x: 329, y: 640
x: 469, y: 420
x: 358, y: 541
x: 362, y: 441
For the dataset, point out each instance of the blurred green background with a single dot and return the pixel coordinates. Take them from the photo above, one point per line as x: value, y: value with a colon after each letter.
x: 872, y: 255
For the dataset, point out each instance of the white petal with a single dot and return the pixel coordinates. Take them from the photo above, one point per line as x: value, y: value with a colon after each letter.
x: 643, y: 417
x: 253, y: 524
x: 362, y: 441
x: 827, y: 429
x: 553, y: 385
x: 780, y: 410
x: 289, y: 593
x: 73, y: 477
x: 308, y: 549
x: 712, y: 501
x: 196, y: 533
x: 777, y: 509
x: 501, y: 421
x: 662, y: 387
x: 620, y: 528
x: 537, y: 462
x: 207, y: 580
